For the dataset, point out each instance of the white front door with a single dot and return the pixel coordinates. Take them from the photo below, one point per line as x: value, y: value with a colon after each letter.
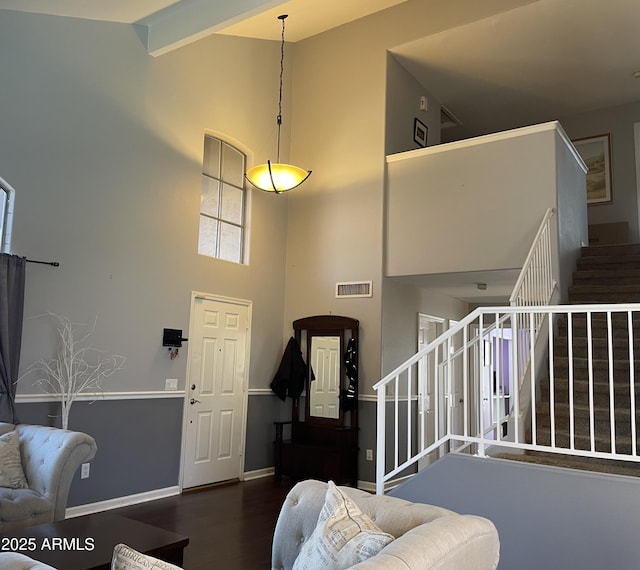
x: 216, y: 391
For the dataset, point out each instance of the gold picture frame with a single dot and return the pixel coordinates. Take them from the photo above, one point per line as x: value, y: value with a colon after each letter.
x: 596, y: 153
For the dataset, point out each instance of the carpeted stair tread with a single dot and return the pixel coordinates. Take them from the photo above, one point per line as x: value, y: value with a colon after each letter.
x: 608, y: 250
x: 604, y: 274
x: 599, y: 346
x: 598, y: 319
x: 632, y: 289
x: 594, y: 293
x: 583, y: 392
x: 598, y: 367
x: 582, y: 441
x: 617, y: 276
x: 609, y: 263
x: 582, y: 422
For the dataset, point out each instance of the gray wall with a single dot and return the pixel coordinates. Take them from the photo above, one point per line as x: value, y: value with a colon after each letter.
x: 571, y: 212
x: 335, y: 226
x: 400, y: 307
x: 403, y: 107
x: 499, y: 187
x: 103, y: 144
x: 263, y: 410
x: 105, y: 154
x: 618, y: 121
x: 138, y: 444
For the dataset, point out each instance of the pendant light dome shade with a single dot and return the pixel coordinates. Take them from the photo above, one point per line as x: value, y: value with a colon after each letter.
x: 276, y: 176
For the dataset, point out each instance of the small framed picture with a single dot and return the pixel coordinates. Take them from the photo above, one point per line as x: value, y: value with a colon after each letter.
x: 420, y: 132
x: 596, y: 153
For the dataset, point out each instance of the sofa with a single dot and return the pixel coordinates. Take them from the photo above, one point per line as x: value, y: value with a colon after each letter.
x: 49, y: 458
x: 420, y: 536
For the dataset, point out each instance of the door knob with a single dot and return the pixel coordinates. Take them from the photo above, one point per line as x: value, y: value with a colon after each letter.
x: 194, y: 401
x: 193, y: 386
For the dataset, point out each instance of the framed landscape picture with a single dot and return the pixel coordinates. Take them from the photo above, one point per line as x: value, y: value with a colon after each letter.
x: 596, y: 153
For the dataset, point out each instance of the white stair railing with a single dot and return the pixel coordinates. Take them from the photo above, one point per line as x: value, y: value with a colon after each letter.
x: 536, y: 283
x: 586, y: 395
x: 531, y: 376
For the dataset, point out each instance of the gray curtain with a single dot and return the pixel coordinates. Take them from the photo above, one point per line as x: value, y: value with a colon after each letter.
x: 12, y: 277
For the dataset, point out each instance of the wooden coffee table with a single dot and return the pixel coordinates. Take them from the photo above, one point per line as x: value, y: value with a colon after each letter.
x: 86, y: 543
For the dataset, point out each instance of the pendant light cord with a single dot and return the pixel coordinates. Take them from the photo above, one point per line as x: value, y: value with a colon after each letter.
x: 279, y: 117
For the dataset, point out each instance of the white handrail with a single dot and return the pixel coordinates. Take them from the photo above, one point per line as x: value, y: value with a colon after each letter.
x: 464, y: 374
x: 535, y: 284
x: 575, y: 425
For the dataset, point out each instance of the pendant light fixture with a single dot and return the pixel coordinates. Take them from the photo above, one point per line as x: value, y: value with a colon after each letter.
x: 275, y: 176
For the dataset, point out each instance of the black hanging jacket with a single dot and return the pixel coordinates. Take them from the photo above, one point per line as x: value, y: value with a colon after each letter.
x: 291, y: 374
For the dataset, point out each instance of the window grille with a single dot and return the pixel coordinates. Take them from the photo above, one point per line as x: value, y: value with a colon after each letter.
x: 7, y: 194
x: 223, y: 202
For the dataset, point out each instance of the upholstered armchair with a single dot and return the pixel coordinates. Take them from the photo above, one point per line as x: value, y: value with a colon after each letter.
x: 19, y: 561
x: 319, y: 524
x: 49, y: 458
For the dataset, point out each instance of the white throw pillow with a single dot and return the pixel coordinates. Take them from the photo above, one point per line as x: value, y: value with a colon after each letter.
x: 126, y: 558
x: 343, y: 536
x: 11, y: 472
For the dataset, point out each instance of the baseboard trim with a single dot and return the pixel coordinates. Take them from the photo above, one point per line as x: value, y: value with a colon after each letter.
x: 389, y: 485
x: 258, y: 474
x: 118, y: 502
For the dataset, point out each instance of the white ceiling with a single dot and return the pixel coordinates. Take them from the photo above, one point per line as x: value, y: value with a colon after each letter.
x: 306, y: 18
x: 541, y: 61
x: 251, y: 18
x: 124, y: 11
x: 538, y: 62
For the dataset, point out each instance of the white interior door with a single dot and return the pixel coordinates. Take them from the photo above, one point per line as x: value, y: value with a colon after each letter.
x: 216, y: 391
x: 487, y: 388
x: 456, y: 383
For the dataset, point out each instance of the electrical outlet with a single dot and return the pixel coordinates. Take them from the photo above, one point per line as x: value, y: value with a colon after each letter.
x: 84, y: 470
x: 171, y: 384
x: 369, y: 454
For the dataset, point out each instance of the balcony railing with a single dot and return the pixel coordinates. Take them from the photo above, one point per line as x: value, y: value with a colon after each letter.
x: 528, y: 377
x: 557, y: 379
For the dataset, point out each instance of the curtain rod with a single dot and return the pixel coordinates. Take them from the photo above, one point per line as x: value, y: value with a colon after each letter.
x: 52, y: 263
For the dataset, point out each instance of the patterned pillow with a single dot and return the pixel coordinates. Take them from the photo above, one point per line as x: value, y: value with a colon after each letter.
x: 343, y: 536
x: 125, y: 558
x: 11, y: 472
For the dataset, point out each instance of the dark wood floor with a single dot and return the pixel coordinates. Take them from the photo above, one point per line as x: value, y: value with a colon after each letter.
x: 229, y: 526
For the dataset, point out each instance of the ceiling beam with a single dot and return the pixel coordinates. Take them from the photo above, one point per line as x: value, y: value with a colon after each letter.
x: 190, y: 20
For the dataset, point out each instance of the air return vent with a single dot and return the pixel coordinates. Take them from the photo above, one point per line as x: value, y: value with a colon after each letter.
x: 350, y: 289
